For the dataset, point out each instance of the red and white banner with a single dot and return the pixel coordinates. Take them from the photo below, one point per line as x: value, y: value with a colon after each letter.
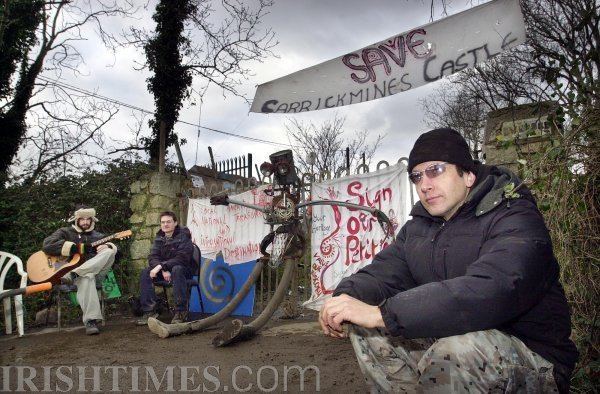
x: 344, y: 240
x: 399, y: 63
x: 233, y: 229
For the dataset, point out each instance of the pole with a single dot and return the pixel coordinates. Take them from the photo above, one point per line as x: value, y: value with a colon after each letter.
x: 162, y: 151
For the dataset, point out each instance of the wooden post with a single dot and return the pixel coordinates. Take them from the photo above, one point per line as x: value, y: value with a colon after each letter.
x: 180, y: 159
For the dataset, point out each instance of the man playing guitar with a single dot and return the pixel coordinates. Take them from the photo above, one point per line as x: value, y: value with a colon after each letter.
x: 78, y: 238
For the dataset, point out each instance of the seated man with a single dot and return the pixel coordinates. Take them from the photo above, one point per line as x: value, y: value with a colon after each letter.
x: 78, y: 238
x: 467, y: 298
x: 171, y: 259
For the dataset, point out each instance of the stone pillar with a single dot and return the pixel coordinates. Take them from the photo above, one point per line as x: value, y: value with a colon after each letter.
x: 152, y: 194
x: 518, y: 132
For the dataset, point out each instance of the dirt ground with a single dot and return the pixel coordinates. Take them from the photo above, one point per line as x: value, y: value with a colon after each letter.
x: 287, y: 356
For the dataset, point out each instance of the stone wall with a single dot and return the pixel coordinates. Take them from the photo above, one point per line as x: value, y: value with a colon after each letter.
x: 152, y: 194
x: 526, y: 126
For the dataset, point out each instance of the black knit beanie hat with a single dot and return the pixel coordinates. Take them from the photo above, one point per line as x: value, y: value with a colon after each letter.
x: 444, y: 145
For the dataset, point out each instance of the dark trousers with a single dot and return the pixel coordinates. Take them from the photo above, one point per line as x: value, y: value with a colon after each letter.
x: 179, y: 276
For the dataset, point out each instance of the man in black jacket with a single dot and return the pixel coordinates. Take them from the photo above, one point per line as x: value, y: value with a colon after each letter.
x: 472, y: 274
x: 78, y: 238
x: 170, y: 260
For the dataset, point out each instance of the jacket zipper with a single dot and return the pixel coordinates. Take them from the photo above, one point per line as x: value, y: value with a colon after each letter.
x: 445, y: 266
x: 439, y: 230
x: 431, y: 262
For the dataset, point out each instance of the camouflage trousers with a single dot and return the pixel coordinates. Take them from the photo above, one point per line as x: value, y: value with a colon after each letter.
x: 481, y: 361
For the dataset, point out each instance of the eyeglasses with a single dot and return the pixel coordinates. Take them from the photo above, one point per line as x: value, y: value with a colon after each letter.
x: 432, y: 171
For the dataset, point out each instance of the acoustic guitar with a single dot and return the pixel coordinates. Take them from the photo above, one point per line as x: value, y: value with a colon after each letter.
x: 42, y: 267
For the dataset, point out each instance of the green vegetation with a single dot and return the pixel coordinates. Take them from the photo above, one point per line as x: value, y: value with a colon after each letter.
x: 29, y: 213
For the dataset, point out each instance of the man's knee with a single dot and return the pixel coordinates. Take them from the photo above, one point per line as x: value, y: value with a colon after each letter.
x: 473, y: 348
x: 110, y: 252
x: 451, y: 345
x: 178, y: 271
x: 83, y: 278
x: 454, y: 344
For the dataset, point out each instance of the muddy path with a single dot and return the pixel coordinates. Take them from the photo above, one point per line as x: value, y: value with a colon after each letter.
x: 288, y: 356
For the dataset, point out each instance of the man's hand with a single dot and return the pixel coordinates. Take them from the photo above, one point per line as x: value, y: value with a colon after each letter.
x: 102, y: 247
x: 344, y: 308
x: 155, y: 271
x: 166, y: 276
x: 81, y: 248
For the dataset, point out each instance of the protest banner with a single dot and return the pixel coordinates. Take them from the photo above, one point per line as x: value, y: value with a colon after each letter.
x: 229, y: 239
x: 399, y: 63
x: 345, y: 240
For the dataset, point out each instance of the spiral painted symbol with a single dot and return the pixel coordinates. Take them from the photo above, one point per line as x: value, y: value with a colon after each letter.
x: 217, y: 281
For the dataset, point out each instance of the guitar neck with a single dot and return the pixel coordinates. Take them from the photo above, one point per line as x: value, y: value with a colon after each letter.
x: 104, y: 240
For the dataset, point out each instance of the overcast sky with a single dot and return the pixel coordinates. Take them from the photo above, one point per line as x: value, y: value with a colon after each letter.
x: 309, y: 32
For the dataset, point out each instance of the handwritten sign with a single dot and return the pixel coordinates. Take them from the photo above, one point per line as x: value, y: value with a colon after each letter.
x: 234, y: 230
x: 345, y: 240
x: 405, y: 61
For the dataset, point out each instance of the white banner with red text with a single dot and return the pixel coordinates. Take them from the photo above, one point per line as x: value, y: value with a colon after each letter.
x: 234, y: 230
x: 399, y: 63
x: 345, y: 240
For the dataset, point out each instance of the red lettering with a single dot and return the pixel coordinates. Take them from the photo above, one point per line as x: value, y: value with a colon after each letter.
x: 352, y: 250
x: 353, y: 225
x: 354, y: 191
x: 366, y: 221
x: 346, y: 60
x: 358, y: 251
x: 412, y: 44
x: 394, y: 49
x: 398, y: 44
x: 375, y: 57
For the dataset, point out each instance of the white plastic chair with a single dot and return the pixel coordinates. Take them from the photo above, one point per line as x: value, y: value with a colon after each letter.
x: 7, y: 260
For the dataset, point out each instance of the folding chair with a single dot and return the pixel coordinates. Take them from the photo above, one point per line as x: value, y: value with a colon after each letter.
x: 66, y: 289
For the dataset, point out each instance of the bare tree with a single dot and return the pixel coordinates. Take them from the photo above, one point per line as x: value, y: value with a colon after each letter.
x: 559, y: 62
x: 450, y: 106
x: 55, y: 50
x: 565, y: 46
x: 321, y: 148
x: 64, y: 135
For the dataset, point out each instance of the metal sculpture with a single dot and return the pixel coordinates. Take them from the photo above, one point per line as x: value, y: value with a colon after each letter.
x: 286, y: 239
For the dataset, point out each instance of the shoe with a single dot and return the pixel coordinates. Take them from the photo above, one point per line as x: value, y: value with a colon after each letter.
x: 179, y: 317
x: 142, y: 321
x: 91, y: 327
